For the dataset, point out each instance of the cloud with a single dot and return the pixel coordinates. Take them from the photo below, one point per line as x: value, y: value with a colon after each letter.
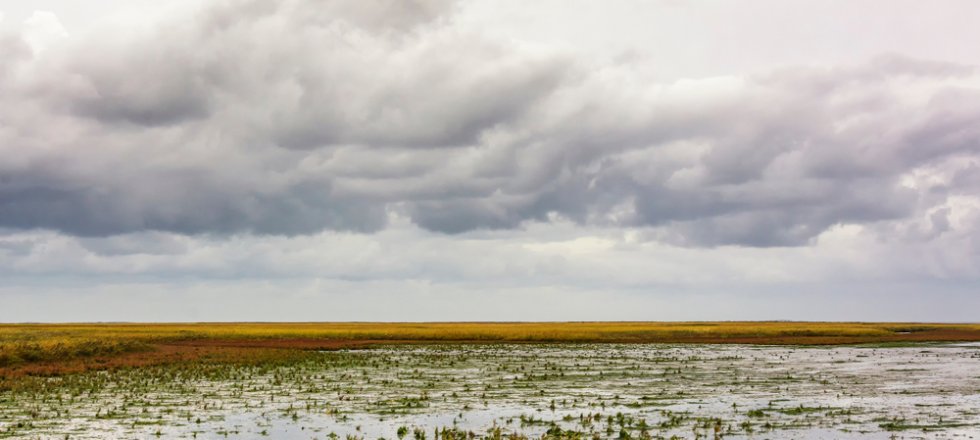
x: 43, y: 30
x: 267, y: 118
x: 555, y: 270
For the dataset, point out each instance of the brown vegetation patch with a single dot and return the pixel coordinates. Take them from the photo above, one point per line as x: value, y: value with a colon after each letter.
x: 219, y: 351
x: 47, y: 350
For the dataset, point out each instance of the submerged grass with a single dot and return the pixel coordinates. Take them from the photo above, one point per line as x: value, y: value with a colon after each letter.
x: 456, y: 391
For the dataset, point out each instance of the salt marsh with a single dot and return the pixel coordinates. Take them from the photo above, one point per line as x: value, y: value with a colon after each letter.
x: 601, y: 391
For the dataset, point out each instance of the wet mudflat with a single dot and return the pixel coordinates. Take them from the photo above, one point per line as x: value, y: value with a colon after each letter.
x: 606, y: 391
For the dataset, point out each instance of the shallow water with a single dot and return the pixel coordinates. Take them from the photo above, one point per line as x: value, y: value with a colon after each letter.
x: 592, y: 391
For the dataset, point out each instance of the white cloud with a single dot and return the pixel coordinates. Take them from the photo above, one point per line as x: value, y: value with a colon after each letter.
x: 42, y: 30
x: 361, y: 148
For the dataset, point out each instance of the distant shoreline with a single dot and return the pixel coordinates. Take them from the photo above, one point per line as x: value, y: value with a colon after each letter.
x: 54, y: 349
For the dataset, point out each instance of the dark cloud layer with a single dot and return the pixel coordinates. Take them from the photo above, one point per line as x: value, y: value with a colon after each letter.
x: 270, y: 118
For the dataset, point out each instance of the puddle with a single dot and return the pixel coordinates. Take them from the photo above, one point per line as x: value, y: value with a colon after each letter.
x: 581, y: 391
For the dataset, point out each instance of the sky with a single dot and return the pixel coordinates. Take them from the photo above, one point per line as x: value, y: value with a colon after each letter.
x: 486, y: 160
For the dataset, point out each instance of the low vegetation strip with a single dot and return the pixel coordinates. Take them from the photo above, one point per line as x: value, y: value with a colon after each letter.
x: 51, y: 344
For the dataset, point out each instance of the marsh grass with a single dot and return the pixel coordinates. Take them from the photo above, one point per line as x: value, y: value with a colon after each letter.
x: 583, y: 391
x: 31, y: 343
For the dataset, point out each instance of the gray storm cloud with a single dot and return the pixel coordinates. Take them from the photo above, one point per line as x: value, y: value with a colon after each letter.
x: 267, y: 118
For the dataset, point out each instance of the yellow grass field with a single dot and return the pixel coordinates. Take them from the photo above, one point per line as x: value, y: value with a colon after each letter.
x: 36, y: 343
